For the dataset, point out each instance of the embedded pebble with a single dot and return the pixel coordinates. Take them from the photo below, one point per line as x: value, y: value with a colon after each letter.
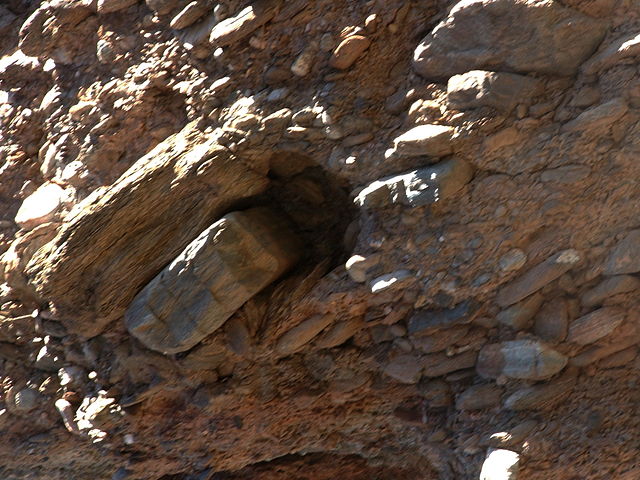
x: 349, y: 50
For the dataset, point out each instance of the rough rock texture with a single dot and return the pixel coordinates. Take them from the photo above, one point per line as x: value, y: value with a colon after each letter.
x: 558, y: 39
x: 225, y: 266
x: 130, y: 226
x: 468, y: 271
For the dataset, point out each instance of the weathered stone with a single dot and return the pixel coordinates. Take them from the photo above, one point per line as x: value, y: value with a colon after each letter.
x: 431, y: 140
x: 500, y: 465
x: 339, y: 333
x: 26, y: 400
x: 189, y: 15
x: 558, y: 39
x: 552, y: 321
x: 215, y: 275
x: 626, y: 337
x: 608, y: 288
x: 620, y: 49
x: 439, y: 340
x: 513, y: 260
x: 625, y: 257
x: 436, y: 392
x: 302, y: 334
x: 428, y: 322
x: 41, y: 206
x: 439, y: 364
x: 110, y: 6
x: 519, y: 316
x: 119, y: 238
x: 543, y: 396
x: 349, y: 50
x: 162, y: 7
x: 234, y: 29
x: 539, y: 276
x: 479, y: 397
x: 524, y: 359
x: 418, y: 188
x: 357, y: 267
x: 595, y: 325
x: 620, y: 359
x: 479, y: 88
x: 404, y: 368
x: 597, y: 118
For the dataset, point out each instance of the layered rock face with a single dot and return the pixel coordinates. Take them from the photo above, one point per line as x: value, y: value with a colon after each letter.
x: 285, y: 240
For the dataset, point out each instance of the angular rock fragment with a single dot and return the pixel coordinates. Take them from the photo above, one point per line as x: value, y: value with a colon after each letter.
x: 539, y: 276
x: 431, y: 140
x: 418, y: 188
x: 558, y: 39
x: 302, y: 334
x: 119, y: 238
x: 440, y: 340
x: 404, y: 369
x: 215, y: 275
x: 499, y: 90
x: 626, y: 336
x: 608, y: 288
x: 625, y: 257
x: 479, y: 397
x: 552, y: 321
x: 519, y: 315
x: 598, y: 117
x: 234, y: 29
x: 189, y: 15
x: 439, y: 364
x: 349, y: 50
x: 595, y: 325
x: 110, y: 6
x: 427, y: 322
x: 524, y: 359
x: 622, y: 48
x: 543, y: 396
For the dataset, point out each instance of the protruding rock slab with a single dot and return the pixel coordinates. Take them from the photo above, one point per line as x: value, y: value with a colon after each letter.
x: 418, y: 188
x: 119, y: 238
x: 499, y: 90
x: 625, y: 257
x: 539, y: 276
x: 524, y: 359
x: 595, y: 325
x: 243, y: 24
x: 509, y: 35
x: 431, y: 140
x: 227, y: 264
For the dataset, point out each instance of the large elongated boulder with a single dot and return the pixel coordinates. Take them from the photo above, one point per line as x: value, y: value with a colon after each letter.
x: 523, y: 36
x: 119, y: 238
x: 216, y: 274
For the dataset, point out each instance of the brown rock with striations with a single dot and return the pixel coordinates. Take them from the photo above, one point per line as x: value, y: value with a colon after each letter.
x: 595, y: 325
x: 543, y: 396
x: 119, y: 238
x: 226, y: 265
x: 625, y: 257
x: 539, y: 276
x: 608, y: 288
